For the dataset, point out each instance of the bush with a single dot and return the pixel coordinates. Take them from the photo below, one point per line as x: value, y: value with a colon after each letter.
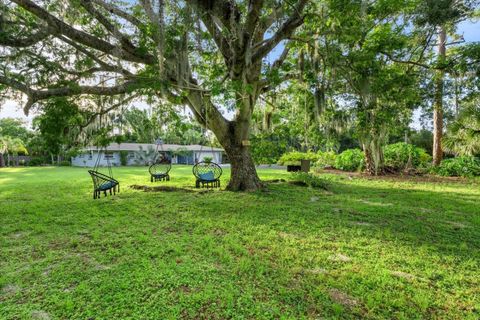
x: 398, y: 155
x: 36, y: 162
x: 123, y: 157
x: 326, y: 159
x: 207, y: 159
x: 267, y: 148
x: 458, y: 167
x: 293, y: 158
x: 350, y: 160
x: 309, y: 180
x: 65, y: 163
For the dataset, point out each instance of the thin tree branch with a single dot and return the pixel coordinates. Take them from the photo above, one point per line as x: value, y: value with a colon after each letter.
x: 285, y: 31
x: 119, y: 12
x: 124, y: 41
x: 26, y: 41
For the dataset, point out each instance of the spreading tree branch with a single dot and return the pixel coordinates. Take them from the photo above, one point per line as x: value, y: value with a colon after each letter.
x: 84, y: 38
x: 35, y: 95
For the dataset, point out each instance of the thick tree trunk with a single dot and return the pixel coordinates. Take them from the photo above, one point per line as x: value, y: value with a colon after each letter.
x: 438, y: 103
x: 369, y: 166
x: 2, y: 160
x: 374, y: 162
x: 244, y: 175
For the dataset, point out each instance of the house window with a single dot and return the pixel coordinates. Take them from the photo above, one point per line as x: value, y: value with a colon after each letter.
x: 131, y: 155
x: 108, y: 155
x: 90, y: 155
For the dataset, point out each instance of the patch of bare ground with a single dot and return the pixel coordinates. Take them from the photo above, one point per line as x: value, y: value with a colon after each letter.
x: 404, y: 275
x: 372, y: 203
x: 10, y: 289
x: 286, y: 235
x: 342, y: 298
x: 316, y: 271
x: 457, y: 225
x: 167, y: 189
x: 361, y: 223
x: 40, y: 315
x: 338, y: 257
x: 18, y: 235
x: 275, y: 181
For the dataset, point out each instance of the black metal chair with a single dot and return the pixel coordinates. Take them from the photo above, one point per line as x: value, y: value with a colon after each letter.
x: 159, y: 171
x: 103, y: 183
x: 207, y: 174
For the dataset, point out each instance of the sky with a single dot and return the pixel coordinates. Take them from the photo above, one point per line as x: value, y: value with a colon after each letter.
x: 469, y: 29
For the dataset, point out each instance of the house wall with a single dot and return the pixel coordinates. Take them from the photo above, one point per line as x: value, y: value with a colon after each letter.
x: 132, y: 160
x: 215, y: 155
x: 89, y: 159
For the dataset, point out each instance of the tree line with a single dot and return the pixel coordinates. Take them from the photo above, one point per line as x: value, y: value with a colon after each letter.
x: 325, y: 69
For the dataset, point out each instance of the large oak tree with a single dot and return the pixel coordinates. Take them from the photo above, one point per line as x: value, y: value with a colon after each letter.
x: 208, y: 55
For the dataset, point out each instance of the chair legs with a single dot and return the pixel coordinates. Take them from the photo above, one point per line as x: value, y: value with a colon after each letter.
x: 159, y: 178
x: 207, y: 184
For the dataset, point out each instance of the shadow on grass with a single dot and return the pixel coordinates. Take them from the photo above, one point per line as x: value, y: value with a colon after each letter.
x: 447, y: 223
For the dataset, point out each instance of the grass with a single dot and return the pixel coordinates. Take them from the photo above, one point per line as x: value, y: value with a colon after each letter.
x: 376, y: 249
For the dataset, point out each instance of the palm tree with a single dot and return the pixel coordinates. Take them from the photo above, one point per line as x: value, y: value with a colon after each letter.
x: 463, y: 135
x: 4, y: 143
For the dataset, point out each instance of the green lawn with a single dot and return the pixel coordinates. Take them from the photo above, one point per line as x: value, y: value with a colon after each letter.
x: 377, y: 249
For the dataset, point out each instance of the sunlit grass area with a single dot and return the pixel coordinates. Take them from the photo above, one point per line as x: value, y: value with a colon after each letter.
x: 389, y: 249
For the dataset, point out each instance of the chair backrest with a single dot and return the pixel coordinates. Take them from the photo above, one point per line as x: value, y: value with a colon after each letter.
x: 202, y: 168
x: 100, y: 178
x: 161, y: 167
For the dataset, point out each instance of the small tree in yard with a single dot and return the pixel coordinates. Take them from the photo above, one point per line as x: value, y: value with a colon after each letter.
x: 195, y: 53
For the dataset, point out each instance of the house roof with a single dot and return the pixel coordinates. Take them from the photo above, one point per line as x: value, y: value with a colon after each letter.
x: 146, y: 146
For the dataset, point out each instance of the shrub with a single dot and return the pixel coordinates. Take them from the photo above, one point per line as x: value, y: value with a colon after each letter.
x: 350, y: 160
x: 458, y: 167
x: 36, y: 162
x: 267, y: 148
x: 398, y: 155
x: 293, y: 158
x: 309, y: 180
x: 207, y: 159
x: 123, y: 157
x: 326, y: 159
x: 64, y: 163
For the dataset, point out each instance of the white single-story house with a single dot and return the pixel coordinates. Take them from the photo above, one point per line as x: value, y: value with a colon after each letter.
x: 145, y: 153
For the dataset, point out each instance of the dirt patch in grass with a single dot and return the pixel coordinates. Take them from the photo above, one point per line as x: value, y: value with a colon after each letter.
x: 40, y: 315
x: 10, y: 289
x: 316, y: 271
x: 361, y: 223
x: 457, y: 225
x: 403, y: 275
x: 342, y: 298
x: 275, y: 181
x: 167, y: 189
x: 340, y: 258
